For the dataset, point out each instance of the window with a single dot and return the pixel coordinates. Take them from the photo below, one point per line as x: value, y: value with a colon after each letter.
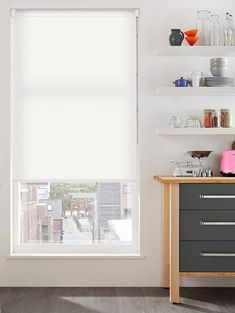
x: 61, y: 218
x: 74, y: 131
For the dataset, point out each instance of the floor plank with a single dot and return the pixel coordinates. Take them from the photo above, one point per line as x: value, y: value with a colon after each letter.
x: 115, y: 300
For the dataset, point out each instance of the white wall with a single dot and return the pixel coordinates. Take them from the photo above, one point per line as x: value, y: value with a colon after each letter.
x: 157, y: 17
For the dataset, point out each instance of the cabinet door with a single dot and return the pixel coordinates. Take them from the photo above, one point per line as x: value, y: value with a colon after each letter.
x: 207, y: 256
x: 207, y: 196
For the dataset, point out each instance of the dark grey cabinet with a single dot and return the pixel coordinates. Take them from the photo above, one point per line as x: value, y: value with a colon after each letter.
x: 207, y: 227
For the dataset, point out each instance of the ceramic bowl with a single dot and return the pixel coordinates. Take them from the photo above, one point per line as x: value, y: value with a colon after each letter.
x: 219, y: 64
x: 218, y: 60
x: 191, y: 40
x: 191, y: 32
x: 218, y: 71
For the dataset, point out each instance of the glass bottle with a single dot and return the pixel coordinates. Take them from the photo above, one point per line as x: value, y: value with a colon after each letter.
x: 214, y: 30
x: 231, y: 31
x: 227, y: 26
x: 203, y: 24
x: 233, y: 37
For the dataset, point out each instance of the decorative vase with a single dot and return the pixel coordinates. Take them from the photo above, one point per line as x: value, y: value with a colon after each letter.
x: 176, y: 37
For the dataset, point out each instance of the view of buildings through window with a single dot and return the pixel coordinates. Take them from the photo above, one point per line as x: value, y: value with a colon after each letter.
x: 80, y: 213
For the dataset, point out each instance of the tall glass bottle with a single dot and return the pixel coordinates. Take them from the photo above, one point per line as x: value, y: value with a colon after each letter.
x: 214, y: 30
x: 203, y: 25
x: 231, y: 31
x: 227, y: 26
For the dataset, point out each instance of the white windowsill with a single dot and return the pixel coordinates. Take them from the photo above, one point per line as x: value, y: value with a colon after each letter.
x: 74, y: 256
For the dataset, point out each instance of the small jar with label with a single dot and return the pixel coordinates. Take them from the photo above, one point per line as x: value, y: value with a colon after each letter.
x: 207, y: 120
x: 225, y: 118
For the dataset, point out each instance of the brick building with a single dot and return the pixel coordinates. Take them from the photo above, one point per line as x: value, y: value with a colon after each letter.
x: 82, y: 201
x: 38, y: 221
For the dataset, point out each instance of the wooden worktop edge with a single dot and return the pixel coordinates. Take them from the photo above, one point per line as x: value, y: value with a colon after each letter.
x: 178, y: 180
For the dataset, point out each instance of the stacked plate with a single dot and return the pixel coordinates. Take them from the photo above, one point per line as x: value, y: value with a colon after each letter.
x: 218, y: 81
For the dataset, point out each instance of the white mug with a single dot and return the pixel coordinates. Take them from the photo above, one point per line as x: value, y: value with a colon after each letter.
x: 196, y: 79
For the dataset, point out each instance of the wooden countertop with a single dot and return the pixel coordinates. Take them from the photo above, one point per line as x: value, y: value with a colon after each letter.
x: 194, y: 180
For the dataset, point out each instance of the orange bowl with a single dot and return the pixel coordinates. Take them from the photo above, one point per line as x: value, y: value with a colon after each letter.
x: 191, y: 40
x: 191, y: 32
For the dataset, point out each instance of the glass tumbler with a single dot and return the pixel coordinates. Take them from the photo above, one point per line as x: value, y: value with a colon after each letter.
x: 214, y: 30
x: 203, y: 26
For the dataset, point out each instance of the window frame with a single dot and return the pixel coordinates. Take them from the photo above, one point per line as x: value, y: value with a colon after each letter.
x: 66, y: 249
x: 91, y: 250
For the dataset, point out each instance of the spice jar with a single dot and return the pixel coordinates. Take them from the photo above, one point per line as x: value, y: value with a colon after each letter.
x: 208, y: 118
x: 225, y: 118
x: 215, y: 119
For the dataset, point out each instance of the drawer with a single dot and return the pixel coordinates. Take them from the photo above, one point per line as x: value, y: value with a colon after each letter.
x: 207, y: 196
x: 207, y: 256
x: 207, y: 225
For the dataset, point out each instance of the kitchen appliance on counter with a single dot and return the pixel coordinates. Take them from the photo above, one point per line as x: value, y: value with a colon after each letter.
x: 185, y: 168
x: 194, y: 168
x: 199, y: 155
x: 227, y: 163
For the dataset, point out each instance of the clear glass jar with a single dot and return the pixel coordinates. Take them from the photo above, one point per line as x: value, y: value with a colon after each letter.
x: 226, y: 118
x: 193, y: 122
x: 203, y: 26
x: 214, y: 30
x: 207, y: 120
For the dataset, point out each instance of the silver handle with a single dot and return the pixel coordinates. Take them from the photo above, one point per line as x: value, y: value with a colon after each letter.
x: 217, y: 223
x: 217, y: 196
x: 217, y: 254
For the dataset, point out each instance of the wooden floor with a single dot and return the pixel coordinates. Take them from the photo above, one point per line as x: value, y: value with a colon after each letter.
x: 115, y: 300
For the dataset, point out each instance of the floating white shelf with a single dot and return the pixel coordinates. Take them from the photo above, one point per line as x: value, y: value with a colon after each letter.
x: 193, y: 91
x: 199, y: 51
x: 170, y: 131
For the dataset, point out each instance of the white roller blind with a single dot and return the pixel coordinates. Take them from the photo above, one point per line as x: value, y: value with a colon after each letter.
x: 73, y: 94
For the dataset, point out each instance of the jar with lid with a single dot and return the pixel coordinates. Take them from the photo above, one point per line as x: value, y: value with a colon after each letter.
x: 207, y: 120
x: 225, y: 118
x: 215, y: 119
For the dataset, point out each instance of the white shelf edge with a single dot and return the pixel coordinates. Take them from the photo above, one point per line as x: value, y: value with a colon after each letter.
x: 194, y: 91
x: 199, y: 51
x: 170, y: 131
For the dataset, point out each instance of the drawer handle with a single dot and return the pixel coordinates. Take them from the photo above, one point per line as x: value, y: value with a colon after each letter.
x: 217, y: 254
x: 217, y: 223
x: 217, y: 196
